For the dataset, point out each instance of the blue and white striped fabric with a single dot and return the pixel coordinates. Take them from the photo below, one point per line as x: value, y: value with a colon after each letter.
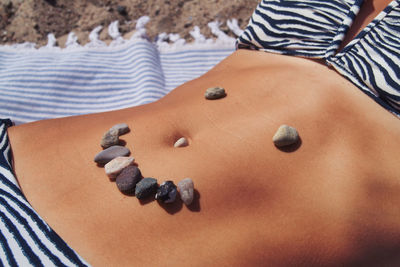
x: 42, y: 84
x: 25, y: 239
x: 50, y: 82
x: 315, y: 29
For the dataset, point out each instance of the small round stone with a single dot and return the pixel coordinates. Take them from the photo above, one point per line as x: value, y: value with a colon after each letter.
x: 122, y: 128
x: 110, y: 138
x: 285, y: 136
x: 182, y: 142
x: 186, y: 190
x: 115, y: 166
x: 146, y: 187
x: 122, y: 10
x: 128, y: 178
x: 111, y: 153
x: 166, y: 192
x: 215, y: 93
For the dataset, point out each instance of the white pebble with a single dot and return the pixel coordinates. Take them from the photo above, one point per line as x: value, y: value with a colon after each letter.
x: 115, y: 166
x: 182, y: 142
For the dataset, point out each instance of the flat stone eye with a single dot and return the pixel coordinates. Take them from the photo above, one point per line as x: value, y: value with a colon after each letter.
x: 181, y: 142
x: 215, y: 93
x: 285, y: 135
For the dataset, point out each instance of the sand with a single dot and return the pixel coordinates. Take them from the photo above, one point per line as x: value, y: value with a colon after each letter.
x: 32, y: 20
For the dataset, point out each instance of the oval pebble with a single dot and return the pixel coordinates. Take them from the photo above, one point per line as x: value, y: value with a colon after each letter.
x: 111, y: 153
x: 215, y: 93
x: 146, y: 187
x: 115, y: 166
x: 166, y: 192
x: 186, y: 190
x: 128, y: 178
x: 110, y: 138
x: 182, y: 142
x: 285, y: 135
x: 122, y: 128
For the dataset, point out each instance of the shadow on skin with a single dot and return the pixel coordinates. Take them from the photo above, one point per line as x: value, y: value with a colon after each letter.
x: 122, y: 142
x: 172, y: 208
x: 381, y: 251
x: 146, y: 200
x: 195, y: 206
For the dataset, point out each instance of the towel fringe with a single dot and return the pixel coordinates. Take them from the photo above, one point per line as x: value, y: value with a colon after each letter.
x: 94, y: 38
x: 233, y: 25
x: 164, y: 41
x: 72, y: 41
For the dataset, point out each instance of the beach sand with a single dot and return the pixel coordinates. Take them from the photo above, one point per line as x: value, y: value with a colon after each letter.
x: 31, y: 20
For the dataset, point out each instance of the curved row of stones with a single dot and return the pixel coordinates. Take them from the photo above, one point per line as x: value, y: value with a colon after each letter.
x: 119, y: 167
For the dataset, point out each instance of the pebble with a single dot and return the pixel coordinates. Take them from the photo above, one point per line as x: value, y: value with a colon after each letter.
x: 166, y: 192
x: 110, y: 138
x: 285, y: 136
x: 115, y: 166
x: 215, y: 93
x: 186, y: 190
x: 182, y: 142
x: 128, y: 178
x: 146, y: 187
x: 122, y: 10
x: 111, y: 153
x: 122, y: 128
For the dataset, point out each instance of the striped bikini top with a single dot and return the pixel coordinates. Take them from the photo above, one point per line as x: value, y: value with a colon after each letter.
x: 316, y: 28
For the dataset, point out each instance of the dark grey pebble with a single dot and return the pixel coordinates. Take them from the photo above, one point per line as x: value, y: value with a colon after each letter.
x: 110, y: 138
x: 126, y: 181
x: 146, y: 187
x: 122, y: 10
x: 166, y: 192
x: 122, y: 128
x: 51, y: 2
x: 215, y: 93
x: 111, y: 153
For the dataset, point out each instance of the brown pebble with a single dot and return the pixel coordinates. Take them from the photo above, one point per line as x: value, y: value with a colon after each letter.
x: 111, y: 153
x: 215, y: 93
x: 128, y: 178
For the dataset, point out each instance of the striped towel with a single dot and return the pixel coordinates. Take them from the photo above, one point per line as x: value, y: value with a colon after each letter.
x: 51, y: 82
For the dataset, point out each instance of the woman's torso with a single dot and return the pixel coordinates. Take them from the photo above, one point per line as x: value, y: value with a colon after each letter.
x: 255, y: 204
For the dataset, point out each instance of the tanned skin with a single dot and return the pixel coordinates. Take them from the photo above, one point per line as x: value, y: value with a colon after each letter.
x: 333, y: 199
